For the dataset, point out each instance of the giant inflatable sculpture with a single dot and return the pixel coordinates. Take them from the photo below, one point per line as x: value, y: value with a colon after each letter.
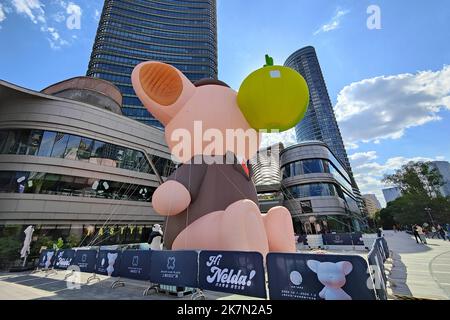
x: 210, y: 201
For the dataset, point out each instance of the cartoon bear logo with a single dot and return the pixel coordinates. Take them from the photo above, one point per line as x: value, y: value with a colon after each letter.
x: 332, y: 276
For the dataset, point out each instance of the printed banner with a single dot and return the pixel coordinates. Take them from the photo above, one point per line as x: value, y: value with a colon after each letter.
x: 64, y: 258
x: 135, y: 264
x: 46, y: 259
x: 295, y: 276
x: 175, y: 268
x: 232, y: 272
x: 357, y: 239
x: 108, y: 263
x: 337, y: 239
x: 85, y: 260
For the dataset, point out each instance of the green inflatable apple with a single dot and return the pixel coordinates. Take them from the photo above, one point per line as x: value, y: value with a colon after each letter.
x: 273, y: 97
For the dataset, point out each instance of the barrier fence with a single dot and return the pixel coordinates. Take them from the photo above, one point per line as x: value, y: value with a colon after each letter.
x: 290, y: 276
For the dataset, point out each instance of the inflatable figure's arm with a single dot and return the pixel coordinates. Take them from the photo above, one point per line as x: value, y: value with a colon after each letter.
x: 171, y: 198
x: 180, y: 189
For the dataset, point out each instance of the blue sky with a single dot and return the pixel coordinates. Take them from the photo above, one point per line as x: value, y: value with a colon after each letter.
x: 390, y: 87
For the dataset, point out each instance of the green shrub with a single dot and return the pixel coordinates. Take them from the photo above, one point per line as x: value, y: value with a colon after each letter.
x: 9, y: 251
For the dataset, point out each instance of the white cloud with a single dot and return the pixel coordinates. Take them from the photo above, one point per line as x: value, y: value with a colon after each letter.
x: 59, y: 16
x: 350, y: 145
x: 2, y: 14
x: 33, y: 9
x: 54, y: 39
x: 287, y: 138
x: 334, y: 22
x: 363, y: 156
x: 384, y: 107
x: 369, y: 173
x: 97, y: 15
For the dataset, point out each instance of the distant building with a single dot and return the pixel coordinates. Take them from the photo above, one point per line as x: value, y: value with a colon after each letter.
x: 390, y: 194
x: 372, y: 204
x: 444, y: 169
x: 267, y: 177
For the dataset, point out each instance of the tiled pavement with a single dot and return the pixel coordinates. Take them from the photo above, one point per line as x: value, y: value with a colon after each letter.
x: 421, y: 271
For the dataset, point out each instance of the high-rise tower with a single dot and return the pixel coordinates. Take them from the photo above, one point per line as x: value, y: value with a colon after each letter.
x: 180, y: 33
x: 320, y: 123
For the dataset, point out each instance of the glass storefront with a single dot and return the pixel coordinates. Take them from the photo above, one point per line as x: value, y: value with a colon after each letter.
x: 65, y: 185
x: 73, y: 147
x: 313, y: 190
x: 310, y: 166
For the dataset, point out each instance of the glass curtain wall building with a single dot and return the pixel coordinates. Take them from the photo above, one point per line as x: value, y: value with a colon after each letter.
x: 319, y: 123
x: 70, y: 165
x: 182, y: 33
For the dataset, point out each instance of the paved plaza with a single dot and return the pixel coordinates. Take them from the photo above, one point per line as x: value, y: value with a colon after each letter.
x: 420, y: 271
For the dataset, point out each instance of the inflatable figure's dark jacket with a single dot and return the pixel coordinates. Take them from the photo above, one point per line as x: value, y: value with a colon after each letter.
x: 213, y: 187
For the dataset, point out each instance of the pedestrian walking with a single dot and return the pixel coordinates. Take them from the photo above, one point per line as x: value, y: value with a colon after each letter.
x: 415, y: 232
x: 380, y: 232
x: 441, y: 232
x: 422, y: 237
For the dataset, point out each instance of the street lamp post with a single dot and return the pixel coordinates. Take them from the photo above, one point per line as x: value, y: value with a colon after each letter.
x: 428, y: 210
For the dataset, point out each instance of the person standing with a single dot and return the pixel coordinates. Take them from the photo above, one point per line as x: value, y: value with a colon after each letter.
x: 379, y: 232
x: 422, y: 237
x: 441, y: 232
x: 415, y: 233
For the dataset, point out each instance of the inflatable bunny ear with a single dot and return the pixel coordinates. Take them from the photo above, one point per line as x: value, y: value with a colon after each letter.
x: 162, y: 89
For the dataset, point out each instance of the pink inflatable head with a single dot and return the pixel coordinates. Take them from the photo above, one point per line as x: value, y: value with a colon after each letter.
x: 201, y: 119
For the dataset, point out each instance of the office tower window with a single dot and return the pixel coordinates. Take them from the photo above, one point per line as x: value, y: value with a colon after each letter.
x: 180, y: 33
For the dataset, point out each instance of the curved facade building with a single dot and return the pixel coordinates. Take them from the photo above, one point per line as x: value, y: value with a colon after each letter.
x: 182, y: 33
x: 318, y: 191
x: 267, y: 177
x: 70, y: 165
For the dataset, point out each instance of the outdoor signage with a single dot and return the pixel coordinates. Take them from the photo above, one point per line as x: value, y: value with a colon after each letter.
x: 357, y: 239
x: 232, y: 272
x: 64, y: 258
x: 85, y: 260
x: 337, y: 239
x: 108, y: 263
x: 295, y: 276
x: 174, y: 268
x: 46, y: 259
x: 377, y: 270
x: 135, y: 264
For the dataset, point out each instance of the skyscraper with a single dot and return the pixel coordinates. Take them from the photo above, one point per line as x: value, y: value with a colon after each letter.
x: 443, y: 167
x: 390, y: 194
x: 181, y: 33
x: 320, y: 122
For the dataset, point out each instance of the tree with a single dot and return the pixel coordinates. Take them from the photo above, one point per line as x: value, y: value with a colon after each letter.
x: 420, y: 185
x: 417, y: 178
